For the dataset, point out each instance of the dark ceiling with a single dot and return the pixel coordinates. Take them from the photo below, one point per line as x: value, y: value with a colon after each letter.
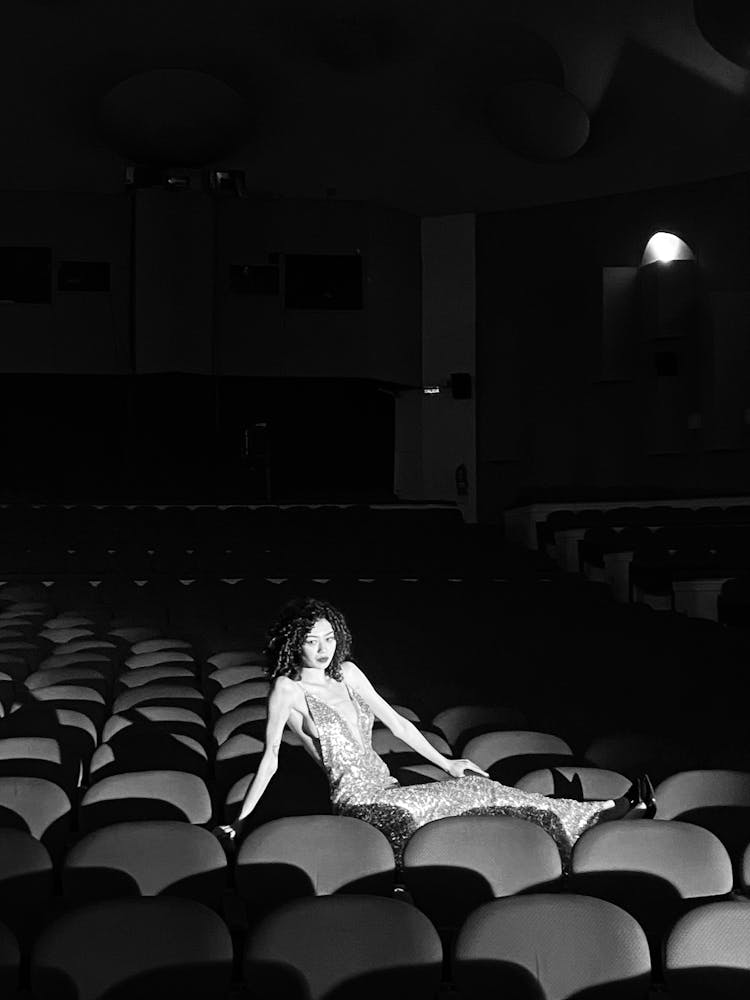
x: 427, y: 105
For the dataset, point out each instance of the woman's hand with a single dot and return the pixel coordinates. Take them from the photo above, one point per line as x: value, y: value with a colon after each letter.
x: 227, y: 835
x: 456, y: 768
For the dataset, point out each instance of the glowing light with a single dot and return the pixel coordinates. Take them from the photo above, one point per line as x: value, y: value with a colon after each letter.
x: 666, y: 247
x: 431, y: 390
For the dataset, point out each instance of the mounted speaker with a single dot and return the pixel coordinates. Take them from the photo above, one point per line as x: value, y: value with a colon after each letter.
x: 460, y: 383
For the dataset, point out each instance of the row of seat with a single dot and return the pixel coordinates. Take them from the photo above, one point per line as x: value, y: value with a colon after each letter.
x: 626, y: 516
x: 655, y: 869
x: 589, y: 541
x: 239, y: 541
x: 77, y: 522
x: 346, y: 946
x: 202, y: 727
x: 162, y: 682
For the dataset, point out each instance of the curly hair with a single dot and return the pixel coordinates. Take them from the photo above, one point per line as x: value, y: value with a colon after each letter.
x: 287, y: 633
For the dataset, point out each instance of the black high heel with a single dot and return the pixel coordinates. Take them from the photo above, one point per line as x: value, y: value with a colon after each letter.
x: 641, y: 798
x: 638, y: 802
x: 647, y: 796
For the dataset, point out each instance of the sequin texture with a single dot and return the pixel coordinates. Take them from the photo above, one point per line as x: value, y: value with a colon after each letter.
x: 362, y: 786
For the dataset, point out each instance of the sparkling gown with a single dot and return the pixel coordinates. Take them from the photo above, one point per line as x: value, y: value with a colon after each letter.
x: 362, y: 786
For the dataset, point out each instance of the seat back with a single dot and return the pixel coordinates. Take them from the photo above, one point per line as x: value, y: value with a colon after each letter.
x: 153, y: 794
x: 453, y: 865
x: 597, y: 783
x: 489, y: 748
x: 344, y: 946
x: 706, y: 953
x: 554, y: 946
x: 459, y: 723
x: 146, y: 858
x: 126, y: 947
x: 298, y: 856
x: 655, y: 871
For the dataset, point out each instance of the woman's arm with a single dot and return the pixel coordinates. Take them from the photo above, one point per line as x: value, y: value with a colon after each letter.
x: 403, y: 728
x: 279, y: 705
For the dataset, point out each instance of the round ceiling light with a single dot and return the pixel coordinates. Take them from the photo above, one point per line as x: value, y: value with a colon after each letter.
x: 538, y: 120
x: 173, y: 117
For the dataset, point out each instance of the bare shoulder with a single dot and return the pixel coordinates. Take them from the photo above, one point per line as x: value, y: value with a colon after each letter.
x: 351, y: 672
x: 285, y: 689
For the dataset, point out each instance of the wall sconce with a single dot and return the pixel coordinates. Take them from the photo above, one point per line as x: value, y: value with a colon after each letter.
x: 664, y: 247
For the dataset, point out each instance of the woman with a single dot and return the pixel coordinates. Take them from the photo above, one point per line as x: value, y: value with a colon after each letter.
x: 330, y: 704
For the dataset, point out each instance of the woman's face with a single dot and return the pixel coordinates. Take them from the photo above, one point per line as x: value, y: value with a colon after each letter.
x: 318, y: 646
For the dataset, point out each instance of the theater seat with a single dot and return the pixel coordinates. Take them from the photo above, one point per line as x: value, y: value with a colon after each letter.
x: 170, y: 718
x: 139, y: 660
x: 41, y: 757
x: 453, y: 865
x: 297, y: 856
x: 235, y: 658
x: 460, y: 723
x: 162, y: 674
x: 165, y: 694
x: 597, y: 783
x: 219, y: 680
x: 37, y: 806
x: 26, y: 883
x: 489, y: 748
x: 94, y: 659
x: 146, y: 858
x: 235, y: 758
x: 134, y: 633
x: 343, y: 946
x: 385, y: 742
x: 134, y: 948
x: 142, y: 747
x: 249, y: 718
x: 420, y: 774
x: 238, y: 694
x: 718, y: 800
x: 76, y: 697
x: 74, y: 731
x: 293, y: 791
x: 655, y: 871
x: 158, y: 644
x: 706, y: 956
x: 151, y: 795
x: 551, y: 945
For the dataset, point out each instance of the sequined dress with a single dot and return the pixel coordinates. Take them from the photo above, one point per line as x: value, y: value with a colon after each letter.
x: 362, y: 786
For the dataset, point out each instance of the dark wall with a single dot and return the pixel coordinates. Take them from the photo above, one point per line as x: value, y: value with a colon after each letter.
x: 554, y: 418
x: 255, y: 335
x: 74, y: 331
x: 150, y: 386
x: 185, y: 315
x: 194, y: 439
